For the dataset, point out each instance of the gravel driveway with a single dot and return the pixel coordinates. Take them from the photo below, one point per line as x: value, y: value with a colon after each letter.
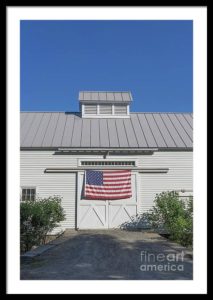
x: 109, y: 255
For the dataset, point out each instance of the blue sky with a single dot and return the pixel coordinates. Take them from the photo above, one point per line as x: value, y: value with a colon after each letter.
x: 152, y: 59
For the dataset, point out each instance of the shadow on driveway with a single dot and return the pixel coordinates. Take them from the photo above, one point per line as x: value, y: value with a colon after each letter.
x: 109, y: 255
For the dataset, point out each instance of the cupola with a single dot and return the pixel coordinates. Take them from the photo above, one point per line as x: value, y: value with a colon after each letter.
x: 104, y: 104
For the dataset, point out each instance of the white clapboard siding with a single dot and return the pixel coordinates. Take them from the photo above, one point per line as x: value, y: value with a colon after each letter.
x: 34, y: 163
x: 63, y: 185
x: 179, y: 176
x: 32, y: 167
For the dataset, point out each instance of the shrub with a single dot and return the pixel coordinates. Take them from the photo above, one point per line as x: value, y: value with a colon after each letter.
x: 173, y: 215
x: 37, y: 218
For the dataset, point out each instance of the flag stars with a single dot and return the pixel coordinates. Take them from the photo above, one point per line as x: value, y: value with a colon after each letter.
x: 94, y: 178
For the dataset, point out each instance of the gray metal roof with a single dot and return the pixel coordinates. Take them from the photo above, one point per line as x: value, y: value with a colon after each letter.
x: 98, y: 96
x: 141, y: 130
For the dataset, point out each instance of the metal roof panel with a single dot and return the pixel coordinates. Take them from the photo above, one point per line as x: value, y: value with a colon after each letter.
x: 138, y: 131
x: 85, y: 133
x: 113, y: 136
x: 189, y: 119
x: 25, y: 127
x: 147, y: 131
x: 77, y: 131
x: 126, y: 97
x: 122, y: 138
x: 59, y: 132
x: 87, y: 95
x: 110, y: 96
x: 104, y: 134
x: 155, y: 131
x: 50, y: 130
x: 182, y: 133
x: 164, y: 131
x: 104, y: 96
x: 118, y: 96
x: 33, y: 129
x: 95, y: 133
x: 81, y: 96
x: 172, y: 130
x: 130, y: 133
x: 185, y: 125
x: 94, y: 96
x: 67, y: 137
x: 142, y: 130
x: 39, y: 136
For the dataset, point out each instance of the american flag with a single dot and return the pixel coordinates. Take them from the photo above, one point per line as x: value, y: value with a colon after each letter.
x: 108, y: 184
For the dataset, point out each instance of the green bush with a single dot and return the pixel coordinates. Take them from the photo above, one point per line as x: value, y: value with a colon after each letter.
x: 37, y: 218
x: 173, y: 215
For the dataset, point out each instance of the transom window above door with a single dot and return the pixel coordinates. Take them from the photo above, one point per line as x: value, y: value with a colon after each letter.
x: 108, y: 163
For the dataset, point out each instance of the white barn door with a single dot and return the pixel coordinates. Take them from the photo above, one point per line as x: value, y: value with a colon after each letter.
x: 121, y: 211
x: 103, y: 214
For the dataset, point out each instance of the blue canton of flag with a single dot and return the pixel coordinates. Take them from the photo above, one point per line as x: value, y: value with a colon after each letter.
x: 94, y: 178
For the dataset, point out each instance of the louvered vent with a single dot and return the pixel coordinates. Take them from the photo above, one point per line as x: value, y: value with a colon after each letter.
x: 105, y: 109
x: 108, y: 163
x: 120, y: 109
x: 90, y: 109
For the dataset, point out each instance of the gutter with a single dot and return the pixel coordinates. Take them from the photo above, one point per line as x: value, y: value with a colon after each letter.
x: 105, y: 149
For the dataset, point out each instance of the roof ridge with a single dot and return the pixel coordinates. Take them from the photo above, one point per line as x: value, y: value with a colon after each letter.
x: 134, y: 112
x: 104, y: 91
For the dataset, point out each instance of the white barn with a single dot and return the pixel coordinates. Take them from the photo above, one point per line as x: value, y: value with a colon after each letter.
x: 57, y: 148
